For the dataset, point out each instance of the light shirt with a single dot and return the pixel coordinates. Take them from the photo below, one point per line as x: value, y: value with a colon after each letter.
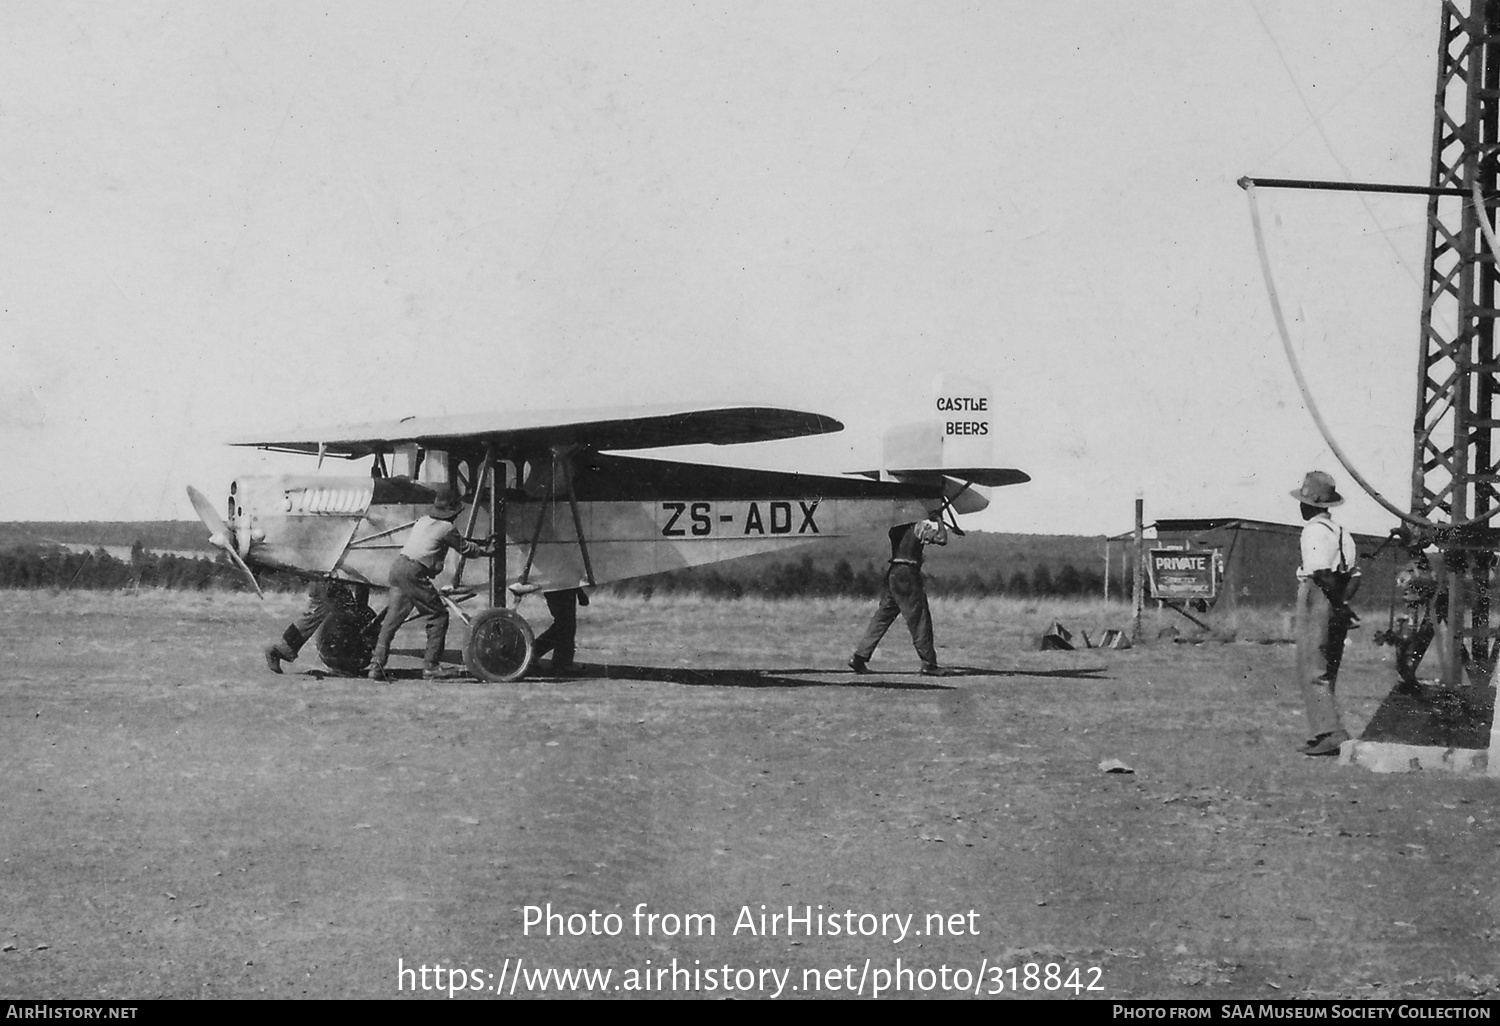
x: 932, y: 532
x: 907, y: 540
x: 1326, y: 546
x: 430, y: 541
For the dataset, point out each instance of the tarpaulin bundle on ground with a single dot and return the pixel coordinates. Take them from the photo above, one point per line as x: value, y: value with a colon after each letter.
x: 1058, y: 638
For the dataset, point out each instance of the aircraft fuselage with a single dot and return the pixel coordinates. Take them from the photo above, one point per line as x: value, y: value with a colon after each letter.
x: 627, y: 517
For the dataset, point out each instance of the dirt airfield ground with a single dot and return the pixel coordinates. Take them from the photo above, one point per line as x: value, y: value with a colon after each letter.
x: 177, y: 822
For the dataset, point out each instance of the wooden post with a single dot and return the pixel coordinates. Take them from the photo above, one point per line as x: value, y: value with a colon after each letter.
x: 1106, y: 568
x: 1139, y: 584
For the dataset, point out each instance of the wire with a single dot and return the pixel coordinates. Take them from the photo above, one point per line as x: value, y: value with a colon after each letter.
x: 1484, y: 223
x: 1307, y: 399
x: 1327, y: 142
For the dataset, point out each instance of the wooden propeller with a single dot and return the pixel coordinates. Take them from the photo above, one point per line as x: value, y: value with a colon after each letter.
x: 218, y: 534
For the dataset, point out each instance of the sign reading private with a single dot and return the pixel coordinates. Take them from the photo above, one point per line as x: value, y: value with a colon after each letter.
x: 1182, y: 573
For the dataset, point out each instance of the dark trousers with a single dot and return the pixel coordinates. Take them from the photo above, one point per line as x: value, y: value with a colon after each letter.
x: 411, y: 589
x: 904, y: 596
x: 1320, y: 649
x: 561, y: 636
x: 301, y: 630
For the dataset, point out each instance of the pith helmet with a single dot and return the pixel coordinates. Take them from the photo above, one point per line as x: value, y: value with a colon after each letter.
x: 446, y: 506
x: 1318, y: 490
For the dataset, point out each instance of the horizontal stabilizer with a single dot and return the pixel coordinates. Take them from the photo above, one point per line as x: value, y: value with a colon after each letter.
x: 942, y: 453
x: 988, y: 477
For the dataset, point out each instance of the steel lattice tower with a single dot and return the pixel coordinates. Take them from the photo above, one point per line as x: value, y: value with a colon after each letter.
x: 1455, y: 474
x: 1455, y: 480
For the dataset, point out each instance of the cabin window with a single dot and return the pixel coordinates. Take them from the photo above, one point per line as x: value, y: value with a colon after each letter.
x: 474, y: 484
x: 542, y: 475
x: 404, y: 461
x: 434, y: 467
x: 531, y: 475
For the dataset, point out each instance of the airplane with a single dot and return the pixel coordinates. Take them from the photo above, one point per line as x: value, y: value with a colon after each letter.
x: 574, y: 511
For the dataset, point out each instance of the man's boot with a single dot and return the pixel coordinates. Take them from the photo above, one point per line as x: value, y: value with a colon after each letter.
x: 276, y: 653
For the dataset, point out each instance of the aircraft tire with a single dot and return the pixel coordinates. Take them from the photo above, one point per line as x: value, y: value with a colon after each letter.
x: 500, y: 646
x: 347, y: 639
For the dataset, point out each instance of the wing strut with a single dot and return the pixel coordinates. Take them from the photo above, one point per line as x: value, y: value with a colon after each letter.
x: 364, y: 540
x: 562, y: 458
x: 497, y: 525
x: 523, y: 585
x: 583, y: 546
x: 485, y: 469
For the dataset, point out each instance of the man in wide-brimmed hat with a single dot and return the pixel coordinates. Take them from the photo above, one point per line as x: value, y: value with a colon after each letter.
x: 422, y: 559
x: 1326, y: 581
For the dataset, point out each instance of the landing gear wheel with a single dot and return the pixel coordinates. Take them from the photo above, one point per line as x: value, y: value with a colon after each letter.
x: 500, y: 646
x: 347, y: 639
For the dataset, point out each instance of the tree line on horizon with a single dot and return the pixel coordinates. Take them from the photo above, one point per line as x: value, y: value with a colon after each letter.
x: 33, y: 567
x: 36, y: 567
x: 808, y: 578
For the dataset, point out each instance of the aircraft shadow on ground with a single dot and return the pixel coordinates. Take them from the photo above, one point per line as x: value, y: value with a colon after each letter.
x: 1075, y: 673
x: 796, y: 677
x: 713, y: 678
x: 743, y: 677
x: 740, y: 677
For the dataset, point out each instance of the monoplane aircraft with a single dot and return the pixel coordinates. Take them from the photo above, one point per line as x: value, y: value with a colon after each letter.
x: 573, y: 511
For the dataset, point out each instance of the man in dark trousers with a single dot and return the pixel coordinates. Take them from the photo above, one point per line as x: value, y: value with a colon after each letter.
x: 906, y: 596
x: 560, y: 637
x: 301, y: 630
x: 422, y: 559
x: 333, y: 606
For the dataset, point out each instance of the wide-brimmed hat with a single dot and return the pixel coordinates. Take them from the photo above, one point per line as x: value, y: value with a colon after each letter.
x: 1318, y: 490
x: 446, y: 506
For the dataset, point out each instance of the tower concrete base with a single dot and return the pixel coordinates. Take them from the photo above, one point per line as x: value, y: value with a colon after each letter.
x: 1430, y: 727
x: 1386, y: 757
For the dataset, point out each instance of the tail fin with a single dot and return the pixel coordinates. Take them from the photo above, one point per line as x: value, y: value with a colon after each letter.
x: 955, y: 445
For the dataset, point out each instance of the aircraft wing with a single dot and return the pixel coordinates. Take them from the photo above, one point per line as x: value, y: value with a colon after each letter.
x: 632, y: 427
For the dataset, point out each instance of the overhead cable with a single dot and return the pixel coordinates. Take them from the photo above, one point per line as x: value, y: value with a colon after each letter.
x: 1291, y: 355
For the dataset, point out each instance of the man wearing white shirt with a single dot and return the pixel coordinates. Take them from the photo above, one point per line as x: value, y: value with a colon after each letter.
x: 1326, y: 581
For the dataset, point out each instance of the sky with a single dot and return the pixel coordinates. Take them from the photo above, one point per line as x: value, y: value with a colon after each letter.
x: 229, y: 220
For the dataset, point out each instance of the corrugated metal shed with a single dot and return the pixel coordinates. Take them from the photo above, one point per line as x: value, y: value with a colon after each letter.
x: 1261, y: 558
